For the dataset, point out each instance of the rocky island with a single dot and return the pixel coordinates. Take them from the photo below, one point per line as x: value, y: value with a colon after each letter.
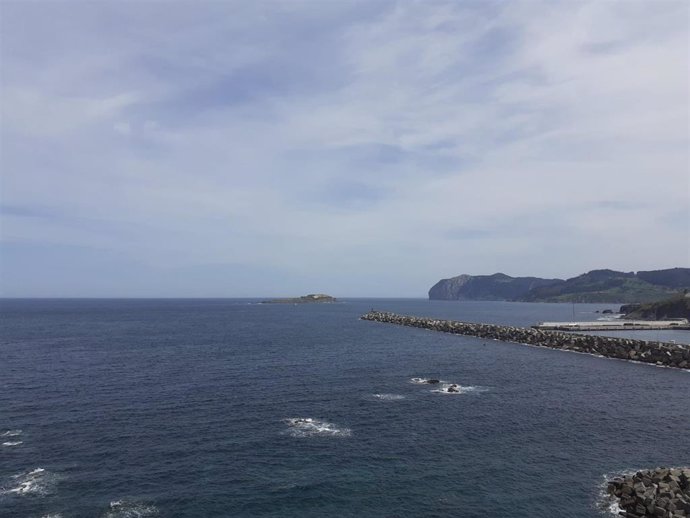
x: 304, y: 299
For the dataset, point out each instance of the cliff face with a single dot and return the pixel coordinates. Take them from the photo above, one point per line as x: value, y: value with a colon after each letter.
x: 593, y: 286
x: 486, y: 287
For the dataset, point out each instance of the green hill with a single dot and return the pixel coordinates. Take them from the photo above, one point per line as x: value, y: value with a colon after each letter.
x: 674, y: 307
x: 601, y: 286
x: 594, y: 286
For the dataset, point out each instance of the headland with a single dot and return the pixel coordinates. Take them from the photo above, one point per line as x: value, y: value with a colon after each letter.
x: 594, y: 286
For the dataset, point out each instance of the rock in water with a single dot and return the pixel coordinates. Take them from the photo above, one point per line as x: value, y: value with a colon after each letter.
x: 659, y: 493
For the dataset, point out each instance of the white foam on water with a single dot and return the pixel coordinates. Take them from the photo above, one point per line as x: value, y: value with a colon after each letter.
x: 609, y: 503
x: 455, y: 389
x: 389, y: 397
x: 614, y: 508
x: 425, y: 381
x: 54, y: 515
x: 128, y: 509
x: 12, y: 443
x: 610, y: 318
x: 37, y: 482
x: 11, y: 433
x: 309, y: 427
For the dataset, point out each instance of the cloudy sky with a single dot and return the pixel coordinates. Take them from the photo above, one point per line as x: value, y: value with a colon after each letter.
x: 362, y: 148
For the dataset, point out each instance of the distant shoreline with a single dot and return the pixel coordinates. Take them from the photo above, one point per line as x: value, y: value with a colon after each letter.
x: 312, y: 298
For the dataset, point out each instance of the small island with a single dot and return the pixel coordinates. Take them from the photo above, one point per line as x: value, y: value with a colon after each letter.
x: 304, y: 299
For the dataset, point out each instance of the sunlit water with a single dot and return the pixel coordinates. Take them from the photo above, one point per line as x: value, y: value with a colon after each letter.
x: 222, y: 408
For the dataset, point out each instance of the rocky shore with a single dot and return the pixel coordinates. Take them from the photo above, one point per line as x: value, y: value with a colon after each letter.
x: 660, y: 492
x: 657, y: 353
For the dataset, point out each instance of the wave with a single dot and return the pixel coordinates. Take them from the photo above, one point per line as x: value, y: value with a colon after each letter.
x: 308, y: 427
x: 454, y: 388
x: 37, y: 482
x: 425, y: 381
x: 11, y: 433
x: 125, y: 509
x: 12, y: 443
x: 389, y: 397
x: 609, y: 504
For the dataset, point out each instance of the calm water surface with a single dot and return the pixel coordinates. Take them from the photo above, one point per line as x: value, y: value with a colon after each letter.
x: 199, y: 408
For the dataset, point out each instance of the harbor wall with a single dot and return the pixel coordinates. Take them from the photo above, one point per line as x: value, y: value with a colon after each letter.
x: 659, y: 492
x: 657, y: 353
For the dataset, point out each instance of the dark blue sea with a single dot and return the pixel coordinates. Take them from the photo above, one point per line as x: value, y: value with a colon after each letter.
x: 228, y: 408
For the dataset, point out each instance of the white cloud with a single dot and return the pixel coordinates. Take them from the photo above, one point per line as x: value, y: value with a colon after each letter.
x: 33, y: 113
x: 123, y: 128
x: 354, y: 149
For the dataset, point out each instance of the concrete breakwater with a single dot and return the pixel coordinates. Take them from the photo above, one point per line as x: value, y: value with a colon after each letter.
x: 665, y: 354
x: 660, y: 492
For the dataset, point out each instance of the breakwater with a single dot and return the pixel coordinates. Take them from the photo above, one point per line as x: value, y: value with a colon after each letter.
x: 657, y: 353
x: 660, y: 492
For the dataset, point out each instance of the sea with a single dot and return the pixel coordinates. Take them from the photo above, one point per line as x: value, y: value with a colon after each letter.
x: 195, y: 408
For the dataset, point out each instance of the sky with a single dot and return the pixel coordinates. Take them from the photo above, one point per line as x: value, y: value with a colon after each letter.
x: 355, y: 148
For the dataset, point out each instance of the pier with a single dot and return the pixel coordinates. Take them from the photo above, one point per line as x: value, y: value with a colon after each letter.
x: 616, y: 325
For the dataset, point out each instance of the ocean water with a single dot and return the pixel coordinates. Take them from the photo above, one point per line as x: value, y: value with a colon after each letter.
x: 227, y: 408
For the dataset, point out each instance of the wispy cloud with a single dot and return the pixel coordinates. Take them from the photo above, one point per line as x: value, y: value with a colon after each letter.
x: 358, y: 148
